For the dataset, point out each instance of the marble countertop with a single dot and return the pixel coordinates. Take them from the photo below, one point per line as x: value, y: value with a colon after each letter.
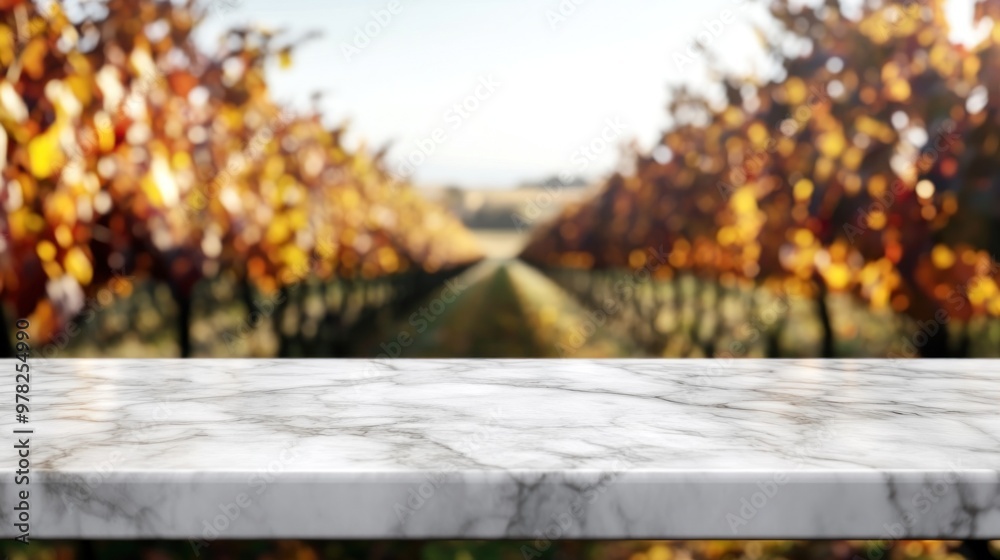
x: 535, y: 449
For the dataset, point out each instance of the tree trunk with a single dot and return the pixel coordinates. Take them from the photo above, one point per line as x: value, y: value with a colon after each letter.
x: 246, y: 293
x: 284, y: 346
x: 183, y: 302
x: 88, y: 550
x: 709, y: 345
x: 774, y: 341
x: 937, y: 345
x: 974, y: 549
x: 6, y: 344
x: 965, y: 344
x: 327, y: 331
x: 823, y: 310
x: 772, y: 333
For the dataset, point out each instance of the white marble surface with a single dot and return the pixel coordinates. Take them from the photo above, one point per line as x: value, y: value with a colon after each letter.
x: 509, y: 449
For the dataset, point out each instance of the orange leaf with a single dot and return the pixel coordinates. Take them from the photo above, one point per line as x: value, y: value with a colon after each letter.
x: 182, y: 82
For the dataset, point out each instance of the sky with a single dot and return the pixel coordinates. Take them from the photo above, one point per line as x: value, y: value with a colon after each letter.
x: 491, y: 93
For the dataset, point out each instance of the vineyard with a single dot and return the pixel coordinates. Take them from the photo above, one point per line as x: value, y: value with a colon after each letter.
x: 158, y: 201
x: 845, y: 205
x: 141, y: 174
x: 852, y: 199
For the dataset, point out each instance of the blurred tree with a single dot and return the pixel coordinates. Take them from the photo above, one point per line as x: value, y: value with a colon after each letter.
x: 870, y: 152
x: 126, y: 148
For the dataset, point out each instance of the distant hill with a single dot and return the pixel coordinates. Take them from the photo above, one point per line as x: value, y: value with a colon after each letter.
x: 518, y: 208
x: 556, y: 181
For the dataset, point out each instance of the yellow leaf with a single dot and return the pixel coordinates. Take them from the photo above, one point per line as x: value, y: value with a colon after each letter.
x: 898, y: 90
x: 981, y: 290
x: 942, y: 257
x: 970, y: 67
x: 877, y: 185
x: 803, y: 189
x: 52, y: 269
x: 80, y: 88
x: 349, y: 199
x: 796, y: 90
x: 388, y: 260
x: 853, y: 157
x: 758, y: 133
x: 296, y: 262
x: 297, y: 219
x: 877, y: 220
x: 832, y: 144
x: 60, y: 207
x: 804, y: 237
x: 105, y: 131
x: 46, y: 250
x: 837, y: 276
x: 890, y: 71
x: 64, y: 235
x: 6, y: 45
x: 726, y: 236
x: 44, y: 154
x: 743, y: 201
x: 659, y: 552
x: 33, y: 58
x: 78, y: 266
x: 278, y: 231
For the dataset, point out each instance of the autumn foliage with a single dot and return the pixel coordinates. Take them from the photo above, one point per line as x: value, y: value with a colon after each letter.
x: 125, y: 148
x: 867, y: 165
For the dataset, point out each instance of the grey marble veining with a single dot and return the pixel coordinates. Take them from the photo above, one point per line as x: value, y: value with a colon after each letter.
x: 218, y: 449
